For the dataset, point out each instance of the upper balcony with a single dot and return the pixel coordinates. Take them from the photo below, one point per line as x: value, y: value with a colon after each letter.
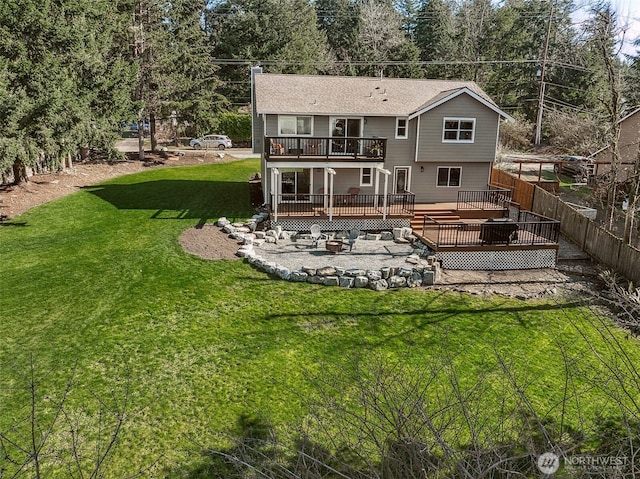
x: 305, y: 148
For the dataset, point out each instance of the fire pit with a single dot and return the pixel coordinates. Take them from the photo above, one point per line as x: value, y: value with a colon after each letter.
x: 334, y: 246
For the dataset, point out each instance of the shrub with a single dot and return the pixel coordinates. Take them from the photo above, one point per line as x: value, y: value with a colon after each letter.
x: 516, y: 135
x: 236, y: 126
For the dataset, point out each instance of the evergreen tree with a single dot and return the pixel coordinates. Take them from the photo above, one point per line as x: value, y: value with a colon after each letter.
x: 185, y: 78
x: 338, y: 19
x: 61, y: 79
x: 282, y: 34
x: 435, y: 36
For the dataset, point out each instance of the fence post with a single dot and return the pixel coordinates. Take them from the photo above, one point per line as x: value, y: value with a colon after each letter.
x: 583, y: 244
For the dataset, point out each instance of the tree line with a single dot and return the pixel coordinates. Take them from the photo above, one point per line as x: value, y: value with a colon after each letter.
x: 71, y: 71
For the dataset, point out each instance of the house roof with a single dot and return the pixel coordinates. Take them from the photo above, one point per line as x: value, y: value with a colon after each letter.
x: 358, y: 96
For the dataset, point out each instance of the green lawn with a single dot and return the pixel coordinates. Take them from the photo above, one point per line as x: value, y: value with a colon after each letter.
x: 97, y: 283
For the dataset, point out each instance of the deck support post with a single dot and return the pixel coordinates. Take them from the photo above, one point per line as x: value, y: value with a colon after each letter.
x: 275, y: 173
x: 331, y: 173
x: 386, y: 174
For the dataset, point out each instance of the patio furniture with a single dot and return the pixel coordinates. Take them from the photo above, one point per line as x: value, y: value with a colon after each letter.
x: 276, y: 148
x: 498, y: 230
x: 334, y: 246
x: 353, y: 237
x: 352, y: 195
x: 316, y: 235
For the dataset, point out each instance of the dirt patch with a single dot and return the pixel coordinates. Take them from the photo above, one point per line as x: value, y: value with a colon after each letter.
x: 43, y: 188
x: 569, y: 278
x: 209, y: 242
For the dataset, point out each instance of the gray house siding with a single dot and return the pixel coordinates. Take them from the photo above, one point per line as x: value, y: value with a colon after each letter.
x: 431, y: 148
x: 475, y: 158
x: 475, y: 176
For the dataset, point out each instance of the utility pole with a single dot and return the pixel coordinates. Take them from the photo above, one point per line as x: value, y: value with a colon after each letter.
x: 543, y: 67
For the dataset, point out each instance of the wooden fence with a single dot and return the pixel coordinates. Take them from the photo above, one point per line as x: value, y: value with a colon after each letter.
x: 521, y: 191
x: 600, y: 244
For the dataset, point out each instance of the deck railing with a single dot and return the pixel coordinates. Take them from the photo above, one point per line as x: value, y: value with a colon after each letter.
x: 286, y: 147
x: 530, y: 229
x: 491, y: 199
x: 345, y: 205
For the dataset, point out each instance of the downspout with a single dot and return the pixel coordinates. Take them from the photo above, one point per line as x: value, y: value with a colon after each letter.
x: 417, y: 138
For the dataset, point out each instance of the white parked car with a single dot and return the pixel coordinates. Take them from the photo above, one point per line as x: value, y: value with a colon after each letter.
x: 211, y: 141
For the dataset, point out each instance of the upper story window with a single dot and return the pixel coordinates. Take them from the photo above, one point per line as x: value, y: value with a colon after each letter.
x: 402, y: 128
x: 294, y: 125
x: 459, y: 130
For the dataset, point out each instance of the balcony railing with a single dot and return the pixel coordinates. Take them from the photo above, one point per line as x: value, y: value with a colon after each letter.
x: 529, y: 229
x: 329, y: 148
x: 491, y: 199
x: 370, y: 206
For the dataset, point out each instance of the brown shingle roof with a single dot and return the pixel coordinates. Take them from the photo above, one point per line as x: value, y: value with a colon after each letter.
x: 327, y: 95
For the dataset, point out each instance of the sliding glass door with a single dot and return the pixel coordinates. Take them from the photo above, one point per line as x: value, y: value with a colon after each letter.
x: 295, y: 185
x: 341, y: 129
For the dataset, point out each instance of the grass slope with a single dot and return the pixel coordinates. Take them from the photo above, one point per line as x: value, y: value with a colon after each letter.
x: 97, y: 283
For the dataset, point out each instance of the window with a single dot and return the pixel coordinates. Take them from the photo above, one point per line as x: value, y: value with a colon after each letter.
x: 294, y: 125
x: 402, y: 132
x: 449, y: 176
x: 460, y: 130
x: 366, y: 176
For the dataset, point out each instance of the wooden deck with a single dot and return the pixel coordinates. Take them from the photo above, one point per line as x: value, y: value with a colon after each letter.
x: 530, y: 232
x: 300, y: 211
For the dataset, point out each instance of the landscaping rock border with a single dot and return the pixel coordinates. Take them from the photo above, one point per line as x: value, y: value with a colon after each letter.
x: 420, y: 268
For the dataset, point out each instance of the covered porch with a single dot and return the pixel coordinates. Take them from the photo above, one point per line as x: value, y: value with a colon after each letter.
x: 337, y: 190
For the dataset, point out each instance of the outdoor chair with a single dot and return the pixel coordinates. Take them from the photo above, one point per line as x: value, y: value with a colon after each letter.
x: 276, y: 148
x: 353, y: 237
x: 352, y: 195
x: 316, y: 235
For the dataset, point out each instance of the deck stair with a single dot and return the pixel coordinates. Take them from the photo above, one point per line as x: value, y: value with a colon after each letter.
x: 440, y: 215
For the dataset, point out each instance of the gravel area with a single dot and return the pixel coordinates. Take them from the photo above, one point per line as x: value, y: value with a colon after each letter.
x: 366, y: 254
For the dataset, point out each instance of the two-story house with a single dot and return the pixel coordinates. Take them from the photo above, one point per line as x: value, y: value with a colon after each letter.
x: 360, y: 140
x: 370, y: 153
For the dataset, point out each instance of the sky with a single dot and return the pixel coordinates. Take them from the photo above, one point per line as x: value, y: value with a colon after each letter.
x: 628, y: 19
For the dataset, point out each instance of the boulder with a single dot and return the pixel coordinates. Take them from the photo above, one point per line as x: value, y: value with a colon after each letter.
x: 428, y: 277
x: 360, y: 282
x: 397, y: 282
x: 298, y: 276
x: 413, y: 259
x: 222, y: 222
x: 331, y: 280
x: 385, y: 272
x: 346, y: 282
x: 326, y: 271
x: 379, y: 285
x: 283, y: 273
x: 315, y: 279
x: 374, y: 275
x: 355, y: 272
x: 386, y: 236
x: 309, y: 271
x: 405, y: 272
x: 414, y: 280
